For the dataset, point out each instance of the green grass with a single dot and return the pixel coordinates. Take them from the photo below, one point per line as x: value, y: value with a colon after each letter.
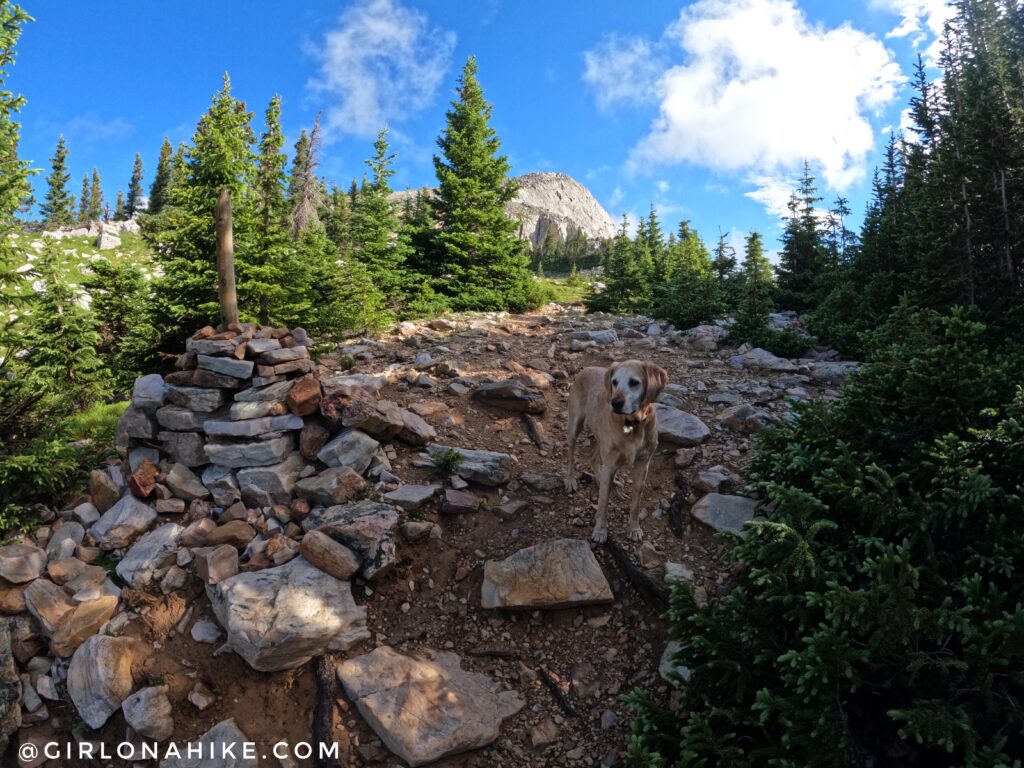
x: 97, y: 424
x: 558, y: 290
x: 78, y: 252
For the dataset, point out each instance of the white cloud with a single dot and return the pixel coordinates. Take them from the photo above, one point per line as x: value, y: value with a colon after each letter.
x: 760, y: 90
x: 772, y: 192
x: 623, y: 70
x: 921, y: 21
x: 381, y: 63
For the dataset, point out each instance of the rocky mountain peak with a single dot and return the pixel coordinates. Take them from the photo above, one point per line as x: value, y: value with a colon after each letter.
x: 550, y: 202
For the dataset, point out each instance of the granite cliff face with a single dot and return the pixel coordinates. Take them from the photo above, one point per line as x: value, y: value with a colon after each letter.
x: 555, y: 203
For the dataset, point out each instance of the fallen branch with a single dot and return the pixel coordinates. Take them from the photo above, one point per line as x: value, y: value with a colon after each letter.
x: 653, y: 592
x: 560, y: 697
x: 323, y: 713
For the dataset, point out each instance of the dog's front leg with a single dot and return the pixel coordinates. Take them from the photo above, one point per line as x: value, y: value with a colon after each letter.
x: 639, y: 481
x: 605, y: 474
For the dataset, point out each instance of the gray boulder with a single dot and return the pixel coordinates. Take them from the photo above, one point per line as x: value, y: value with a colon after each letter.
x: 679, y: 427
x: 483, y: 467
x: 553, y: 574
x: 254, y: 453
x: 426, y: 708
x: 148, y: 555
x: 122, y: 524
x: 351, y: 448
x: 725, y: 513
x: 280, y: 618
x: 365, y: 527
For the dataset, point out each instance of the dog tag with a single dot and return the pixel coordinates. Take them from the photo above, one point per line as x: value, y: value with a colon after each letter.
x: 626, y: 429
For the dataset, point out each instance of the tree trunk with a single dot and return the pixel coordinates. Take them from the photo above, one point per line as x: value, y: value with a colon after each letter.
x: 226, y: 263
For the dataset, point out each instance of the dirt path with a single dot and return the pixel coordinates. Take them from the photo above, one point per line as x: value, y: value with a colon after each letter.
x: 432, y: 599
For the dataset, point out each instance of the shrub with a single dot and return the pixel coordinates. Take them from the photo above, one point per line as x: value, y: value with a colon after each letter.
x: 875, y: 618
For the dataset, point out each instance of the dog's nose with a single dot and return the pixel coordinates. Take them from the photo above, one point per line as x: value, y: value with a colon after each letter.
x: 617, y: 405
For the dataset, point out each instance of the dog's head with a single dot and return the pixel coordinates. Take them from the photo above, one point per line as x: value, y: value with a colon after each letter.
x: 632, y: 385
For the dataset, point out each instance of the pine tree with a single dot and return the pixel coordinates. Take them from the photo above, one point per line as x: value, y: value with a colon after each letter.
x: 84, y: 203
x: 801, y: 260
x: 693, y: 293
x: 476, y: 241
x: 756, y: 301
x: 120, y: 207
x: 272, y: 280
x: 56, y: 209
x: 131, y: 203
x: 119, y: 301
x: 61, y: 342
x: 304, y: 192
x: 660, y: 266
x: 97, y: 205
x: 185, y: 245
x: 625, y: 286
x: 725, y: 271
x: 162, y: 180
x: 375, y: 226
x: 337, y: 219
x: 17, y: 385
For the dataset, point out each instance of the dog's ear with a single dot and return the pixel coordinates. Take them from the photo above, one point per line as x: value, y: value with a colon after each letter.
x: 608, y: 380
x: 655, y: 379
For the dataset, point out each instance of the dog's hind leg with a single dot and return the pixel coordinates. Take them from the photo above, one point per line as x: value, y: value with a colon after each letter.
x: 639, y: 482
x: 572, y: 433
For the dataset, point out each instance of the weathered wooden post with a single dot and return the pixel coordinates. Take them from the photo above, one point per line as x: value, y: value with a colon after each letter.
x: 226, y: 263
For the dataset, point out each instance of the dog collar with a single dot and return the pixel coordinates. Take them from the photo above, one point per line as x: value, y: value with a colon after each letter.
x: 628, y: 425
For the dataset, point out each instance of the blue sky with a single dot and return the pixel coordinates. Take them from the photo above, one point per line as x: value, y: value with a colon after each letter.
x: 705, y: 109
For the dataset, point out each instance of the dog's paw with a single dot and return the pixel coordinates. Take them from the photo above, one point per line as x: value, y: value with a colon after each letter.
x: 636, y: 534
x: 571, y: 484
x: 599, y: 536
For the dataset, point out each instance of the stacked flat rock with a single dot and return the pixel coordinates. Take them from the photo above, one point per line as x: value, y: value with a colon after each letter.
x: 246, y: 418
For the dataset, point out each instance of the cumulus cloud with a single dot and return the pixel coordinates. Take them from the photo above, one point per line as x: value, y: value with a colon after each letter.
x: 772, y: 192
x: 759, y: 90
x: 921, y: 21
x: 623, y: 70
x: 383, y: 62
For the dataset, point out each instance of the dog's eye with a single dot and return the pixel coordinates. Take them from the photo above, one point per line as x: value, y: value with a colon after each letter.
x: 615, y: 382
x: 634, y: 383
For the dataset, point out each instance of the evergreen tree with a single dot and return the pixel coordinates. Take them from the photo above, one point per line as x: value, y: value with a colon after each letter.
x: 61, y: 343
x: 625, y: 286
x: 185, y: 244
x: 131, y: 203
x: 337, y: 219
x: 162, y: 180
x: 273, y: 282
x: 756, y: 302
x: 56, y: 210
x: 84, y: 203
x: 476, y: 241
x: 726, y: 273
x: 801, y: 260
x: 660, y: 265
x: 120, y: 207
x: 304, y: 190
x: 18, y: 387
x: 97, y: 205
x: 693, y: 294
x: 375, y: 226
x: 119, y: 301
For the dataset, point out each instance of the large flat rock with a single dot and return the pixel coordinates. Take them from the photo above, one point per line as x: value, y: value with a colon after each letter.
x: 483, y: 467
x: 426, y: 708
x: 679, y: 427
x: 561, y: 573
x: 280, y: 618
x: 249, y: 453
x: 725, y: 513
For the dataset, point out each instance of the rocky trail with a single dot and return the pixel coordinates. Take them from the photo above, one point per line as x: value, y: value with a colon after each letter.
x: 455, y: 605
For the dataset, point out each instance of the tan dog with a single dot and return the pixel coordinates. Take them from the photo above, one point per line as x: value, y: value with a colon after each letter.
x: 616, y: 403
